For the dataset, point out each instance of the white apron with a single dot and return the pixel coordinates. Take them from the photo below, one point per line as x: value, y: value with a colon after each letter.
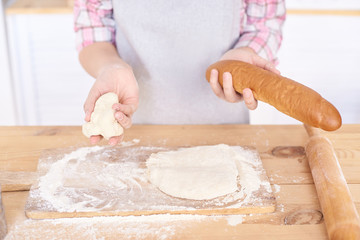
x: 170, y: 44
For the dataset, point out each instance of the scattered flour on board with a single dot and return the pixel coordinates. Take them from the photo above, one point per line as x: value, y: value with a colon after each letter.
x: 281, y: 207
x: 75, y: 165
x: 287, y: 178
x: 234, y: 220
x: 68, y: 179
x: 249, y: 168
x: 82, y: 172
x: 277, y: 188
x: 163, y: 226
x: 130, y: 143
x: 50, y: 183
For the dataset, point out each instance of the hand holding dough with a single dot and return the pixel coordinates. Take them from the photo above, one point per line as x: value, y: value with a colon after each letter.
x: 102, y: 120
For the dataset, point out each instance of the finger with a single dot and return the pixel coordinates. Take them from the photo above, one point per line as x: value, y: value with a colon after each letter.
x: 115, y: 140
x: 89, y: 105
x: 271, y: 67
x: 128, y: 110
x: 230, y: 94
x: 123, y: 120
x: 250, y: 102
x: 95, y: 139
x: 215, y: 85
x: 265, y: 64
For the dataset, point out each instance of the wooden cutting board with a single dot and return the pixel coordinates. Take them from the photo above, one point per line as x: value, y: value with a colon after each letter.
x: 112, y: 181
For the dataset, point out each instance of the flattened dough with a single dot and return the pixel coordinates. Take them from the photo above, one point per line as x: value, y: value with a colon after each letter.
x: 197, y: 173
x: 102, y: 120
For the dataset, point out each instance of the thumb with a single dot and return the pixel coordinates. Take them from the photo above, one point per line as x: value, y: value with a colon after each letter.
x: 265, y: 64
x: 89, y: 104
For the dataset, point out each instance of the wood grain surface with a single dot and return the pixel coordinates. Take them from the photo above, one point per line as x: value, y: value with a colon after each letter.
x: 17, y: 181
x: 297, y: 216
x: 341, y: 218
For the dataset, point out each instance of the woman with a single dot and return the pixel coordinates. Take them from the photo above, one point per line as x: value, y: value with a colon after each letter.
x: 153, y: 54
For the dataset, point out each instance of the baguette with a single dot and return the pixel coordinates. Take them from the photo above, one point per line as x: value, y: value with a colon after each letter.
x: 286, y: 95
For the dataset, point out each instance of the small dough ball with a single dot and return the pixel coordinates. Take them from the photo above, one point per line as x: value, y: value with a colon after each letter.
x: 102, y: 120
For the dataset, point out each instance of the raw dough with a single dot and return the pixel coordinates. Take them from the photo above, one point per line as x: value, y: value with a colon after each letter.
x: 102, y: 120
x: 198, y: 173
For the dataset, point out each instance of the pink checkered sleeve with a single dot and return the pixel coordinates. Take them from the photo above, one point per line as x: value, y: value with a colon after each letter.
x: 263, y: 28
x: 93, y: 22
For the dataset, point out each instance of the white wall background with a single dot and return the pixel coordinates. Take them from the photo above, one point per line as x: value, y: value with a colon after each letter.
x: 50, y: 84
x: 49, y: 87
x: 7, y: 100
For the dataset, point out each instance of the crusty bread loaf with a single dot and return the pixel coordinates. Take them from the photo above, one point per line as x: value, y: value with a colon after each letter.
x: 286, y: 95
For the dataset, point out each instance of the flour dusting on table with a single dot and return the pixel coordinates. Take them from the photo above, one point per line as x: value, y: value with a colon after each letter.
x: 234, y: 220
x: 163, y: 226
x: 108, y: 180
x: 277, y: 188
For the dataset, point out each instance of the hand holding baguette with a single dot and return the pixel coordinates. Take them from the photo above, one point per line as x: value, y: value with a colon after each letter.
x: 286, y: 95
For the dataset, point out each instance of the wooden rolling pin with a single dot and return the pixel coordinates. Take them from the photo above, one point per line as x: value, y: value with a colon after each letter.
x: 286, y: 95
x: 340, y: 215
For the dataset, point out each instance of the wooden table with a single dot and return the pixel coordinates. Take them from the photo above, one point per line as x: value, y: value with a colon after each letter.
x: 298, y: 214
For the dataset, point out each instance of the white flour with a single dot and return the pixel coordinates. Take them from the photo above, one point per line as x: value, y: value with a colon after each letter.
x: 234, y: 220
x: 249, y: 172
x: 70, y: 178
x: 281, y: 207
x: 249, y: 167
x: 98, y: 179
x: 163, y: 226
x: 89, y: 179
x: 277, y: 188
x: 81, y: 173
x: 130, y: 143
x: 50, y: 183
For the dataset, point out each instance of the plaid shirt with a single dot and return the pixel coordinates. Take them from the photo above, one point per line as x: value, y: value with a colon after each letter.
x: 262, y: 29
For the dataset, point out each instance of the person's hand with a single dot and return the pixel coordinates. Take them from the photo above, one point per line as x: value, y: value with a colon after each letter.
x: 227, y: 92
x: 120, y: 80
